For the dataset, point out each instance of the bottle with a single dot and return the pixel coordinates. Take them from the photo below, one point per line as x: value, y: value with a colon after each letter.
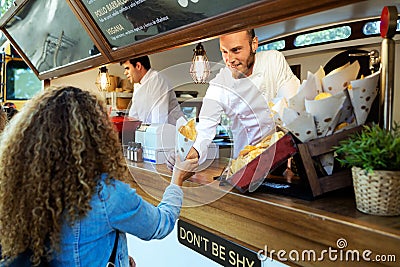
x: 128, y: 151
x: 138, y: 152
x: 131, y: 151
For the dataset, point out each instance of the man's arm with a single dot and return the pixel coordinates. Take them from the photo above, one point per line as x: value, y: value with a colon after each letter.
x: 159, y: 110
x: 209, y: 118
x: 286, y: 80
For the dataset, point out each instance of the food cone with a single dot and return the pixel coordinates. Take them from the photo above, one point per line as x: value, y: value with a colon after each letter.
x: 326, y: 112
x: 327, y: 161
x: 338, y: 80
x: 307, y: 90
x: 183, y: 144
x: 362, y: 95
x: 278, y: 110
x: 302, y: 126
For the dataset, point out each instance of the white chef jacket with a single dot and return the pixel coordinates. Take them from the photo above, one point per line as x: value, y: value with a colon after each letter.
x: 244, y: 101
x: 154, y: 100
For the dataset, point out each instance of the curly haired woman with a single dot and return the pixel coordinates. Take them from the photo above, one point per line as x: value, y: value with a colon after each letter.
x: 3, y: 119
x: 63, y: 185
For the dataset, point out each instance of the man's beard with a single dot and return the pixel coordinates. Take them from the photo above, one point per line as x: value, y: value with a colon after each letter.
x: 237, y: 74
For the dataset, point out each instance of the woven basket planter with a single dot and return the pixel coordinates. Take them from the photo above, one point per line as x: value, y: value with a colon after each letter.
x: 377, y: 192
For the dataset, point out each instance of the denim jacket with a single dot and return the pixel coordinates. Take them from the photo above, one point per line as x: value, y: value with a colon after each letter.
x: 89, y: 242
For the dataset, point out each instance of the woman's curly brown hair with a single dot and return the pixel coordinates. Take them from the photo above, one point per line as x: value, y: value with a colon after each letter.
x: 51, y: 157
x: 3, y: 119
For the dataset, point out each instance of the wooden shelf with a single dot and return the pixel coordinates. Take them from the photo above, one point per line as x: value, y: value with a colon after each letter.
x: 118, y: 100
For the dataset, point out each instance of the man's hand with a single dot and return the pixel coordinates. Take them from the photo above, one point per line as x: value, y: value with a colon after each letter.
x: 183, y: 170
x: 171, y: 160
x: 193, y: 154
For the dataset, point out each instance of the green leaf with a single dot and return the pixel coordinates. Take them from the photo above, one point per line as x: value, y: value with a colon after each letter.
x: 372, y: 148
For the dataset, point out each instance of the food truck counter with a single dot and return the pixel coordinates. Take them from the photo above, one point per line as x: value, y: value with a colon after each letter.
x: 330, y: 225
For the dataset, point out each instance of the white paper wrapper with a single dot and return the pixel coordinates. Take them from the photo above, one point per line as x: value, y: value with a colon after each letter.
x: 327, y: 161
x: 347, y: 127
x: 290, y: 89
x: 362, y: 95
x: 339, y: 69
x: 289, y: 115
x: 326, y: 112
x: 347, y: 114
x: 278, y: 110
x: 297, y: 101
x: 302, y: 126
x: 338, y: 80
x: 183, y: 144
x: 319, y: 75
x: 310, y: 87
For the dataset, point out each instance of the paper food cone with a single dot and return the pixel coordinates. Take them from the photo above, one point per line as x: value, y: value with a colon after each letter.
x: 297, y: 101
x: 289, y: 115
x: 362, y: 95
x: 320, y: 74
x: 183, y: 144
x: 315, y: 81
x: 347, y: 113
x: 344, y: 126
x: 326, y: 112
x: 338, y: 80
x: 327, y: 161
x: 339, y: 69
x: 303, y: 126
x: 310, y: 87
x: 289, y: 89
x: 277, y: 110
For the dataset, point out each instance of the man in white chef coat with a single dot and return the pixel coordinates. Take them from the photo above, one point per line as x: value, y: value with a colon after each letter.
x: 153, y: 101
x: 242, y: 90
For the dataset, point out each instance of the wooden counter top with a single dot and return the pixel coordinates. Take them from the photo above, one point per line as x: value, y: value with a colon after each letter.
x: 259, y: 220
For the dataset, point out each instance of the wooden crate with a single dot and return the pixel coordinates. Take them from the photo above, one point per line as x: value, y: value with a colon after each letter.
x: 310, y: 183
x: 308, y: 151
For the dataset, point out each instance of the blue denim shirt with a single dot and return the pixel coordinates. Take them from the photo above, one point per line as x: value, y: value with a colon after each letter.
x: 89, y: 242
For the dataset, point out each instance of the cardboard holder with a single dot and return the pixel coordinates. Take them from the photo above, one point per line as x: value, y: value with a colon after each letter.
x: 310, y: 181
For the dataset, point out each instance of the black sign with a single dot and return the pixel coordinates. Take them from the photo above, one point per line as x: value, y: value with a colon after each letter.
x: 215, y: 247
x: 125, y: 21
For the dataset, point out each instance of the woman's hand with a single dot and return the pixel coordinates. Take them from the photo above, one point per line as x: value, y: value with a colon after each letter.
x: 171, y: 157
x: 183, y: 170
x: 132, y: 262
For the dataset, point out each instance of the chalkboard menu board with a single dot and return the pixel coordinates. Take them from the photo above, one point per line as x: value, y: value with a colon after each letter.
x: 124, y: 22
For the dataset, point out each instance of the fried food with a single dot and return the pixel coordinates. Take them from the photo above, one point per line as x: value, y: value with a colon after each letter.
x: 341, y: 126
x: 250, y: 152
x: 322, y: 96
x: 189, y: 130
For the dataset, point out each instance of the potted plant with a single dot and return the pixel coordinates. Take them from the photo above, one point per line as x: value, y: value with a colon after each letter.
x: 374, y: 157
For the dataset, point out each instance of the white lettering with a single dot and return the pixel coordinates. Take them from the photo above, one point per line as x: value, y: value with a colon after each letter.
x: 250, y: 264
x: 296, y: 256
x: 182, y: 233
x: 281, y: 255
x: 115, y: 29
x: 100, y: 12
x: 218, y: 251
x: 232, y: 259
x: 366, y: 255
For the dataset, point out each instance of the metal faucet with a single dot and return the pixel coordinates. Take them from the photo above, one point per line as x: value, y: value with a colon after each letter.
x: 374, y: 59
